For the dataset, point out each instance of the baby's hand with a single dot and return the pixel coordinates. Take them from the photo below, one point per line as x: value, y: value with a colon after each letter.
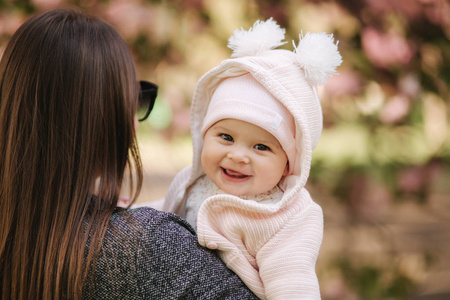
x: 124, y: 201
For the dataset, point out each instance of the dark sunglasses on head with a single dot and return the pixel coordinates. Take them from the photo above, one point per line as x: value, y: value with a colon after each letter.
x: 147, y: 96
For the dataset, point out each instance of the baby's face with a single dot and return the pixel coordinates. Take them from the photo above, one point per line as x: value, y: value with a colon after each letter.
x: 242, y: 159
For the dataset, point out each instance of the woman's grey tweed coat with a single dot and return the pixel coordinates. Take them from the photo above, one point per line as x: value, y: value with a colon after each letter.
x: 148, y: 254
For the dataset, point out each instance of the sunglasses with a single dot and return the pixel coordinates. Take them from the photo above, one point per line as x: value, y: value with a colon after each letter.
x: 147, y: 97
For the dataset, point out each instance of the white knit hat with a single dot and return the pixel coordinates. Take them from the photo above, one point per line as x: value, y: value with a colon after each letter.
x: 267, y: 80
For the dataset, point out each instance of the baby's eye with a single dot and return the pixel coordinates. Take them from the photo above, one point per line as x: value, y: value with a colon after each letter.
x: 261, y: 147
x: 226, y: 137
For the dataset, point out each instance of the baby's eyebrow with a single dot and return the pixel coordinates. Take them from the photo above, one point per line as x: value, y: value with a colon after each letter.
x: 220, y: 128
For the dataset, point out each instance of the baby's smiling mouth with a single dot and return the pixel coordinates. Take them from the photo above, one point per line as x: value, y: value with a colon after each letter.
x: 234, y: 174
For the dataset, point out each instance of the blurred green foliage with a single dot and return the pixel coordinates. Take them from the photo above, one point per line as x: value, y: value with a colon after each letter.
x: 384, y: 156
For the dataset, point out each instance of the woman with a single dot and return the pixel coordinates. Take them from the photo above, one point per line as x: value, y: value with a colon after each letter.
x: 68, y: 98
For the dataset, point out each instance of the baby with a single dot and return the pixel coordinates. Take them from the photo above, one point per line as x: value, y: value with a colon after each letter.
x: 255, y: 120
x: 241, y: 155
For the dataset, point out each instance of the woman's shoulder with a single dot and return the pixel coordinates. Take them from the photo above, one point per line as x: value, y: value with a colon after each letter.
x: 152, y: 254
x: 145, y: 222
x: 133, y: 249
x: 144, y: 215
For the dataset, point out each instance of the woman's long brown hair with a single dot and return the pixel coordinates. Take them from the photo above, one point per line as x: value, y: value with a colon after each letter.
x: 68, y: 97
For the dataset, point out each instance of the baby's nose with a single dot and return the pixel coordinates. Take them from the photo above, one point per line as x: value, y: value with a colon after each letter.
x: 239, y: 156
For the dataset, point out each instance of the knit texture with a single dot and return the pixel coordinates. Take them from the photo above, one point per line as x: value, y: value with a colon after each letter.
x: 149, y: 254
x: 203, y: 188
x: 273, y: 252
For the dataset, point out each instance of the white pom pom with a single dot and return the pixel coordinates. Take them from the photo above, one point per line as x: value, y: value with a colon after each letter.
x: 318, y: 55
x: 261, y: 37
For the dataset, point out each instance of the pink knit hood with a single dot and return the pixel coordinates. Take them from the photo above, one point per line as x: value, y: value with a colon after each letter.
x: 290, y: 77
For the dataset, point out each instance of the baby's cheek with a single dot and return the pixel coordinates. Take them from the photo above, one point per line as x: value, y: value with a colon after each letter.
x: 205, y: 161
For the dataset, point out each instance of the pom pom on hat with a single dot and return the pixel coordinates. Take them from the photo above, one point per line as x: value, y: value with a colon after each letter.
x: 318, y: 55
x: 261, y: 37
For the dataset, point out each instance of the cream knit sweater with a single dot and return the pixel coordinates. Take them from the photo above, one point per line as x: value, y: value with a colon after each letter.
x: 273, y: 253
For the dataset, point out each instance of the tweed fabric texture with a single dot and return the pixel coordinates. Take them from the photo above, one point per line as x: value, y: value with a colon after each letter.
x: 148, y: 254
